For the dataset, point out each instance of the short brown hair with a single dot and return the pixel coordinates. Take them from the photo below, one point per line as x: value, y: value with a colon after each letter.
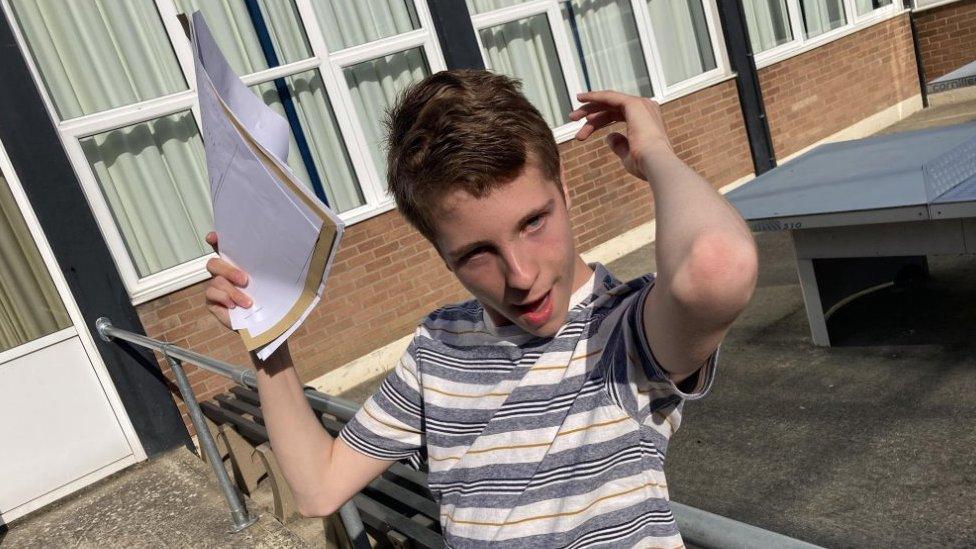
x: 462, y: 129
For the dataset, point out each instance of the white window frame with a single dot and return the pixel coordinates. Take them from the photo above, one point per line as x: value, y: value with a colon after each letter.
x: 330, y: 66
x: 565, y: 51
x: 922, y: 5
x: 800, y: 43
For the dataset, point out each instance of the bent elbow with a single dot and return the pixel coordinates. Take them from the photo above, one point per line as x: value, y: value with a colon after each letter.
x: 720, y: 275
x: 317, y: 508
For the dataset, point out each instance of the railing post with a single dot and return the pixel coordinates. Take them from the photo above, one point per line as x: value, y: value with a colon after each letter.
x: 353, y: 523
x: 238, y: 512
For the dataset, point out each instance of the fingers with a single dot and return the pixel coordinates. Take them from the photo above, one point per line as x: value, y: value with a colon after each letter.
x: 598, y: 120
x: 220, y: 312
x: 619, y: 145
x: 607, y: 97
x: 211, y: 239
x: 221, y: 268
x: 222, y: 297
x: 233, y: 292
x: 219, y: 297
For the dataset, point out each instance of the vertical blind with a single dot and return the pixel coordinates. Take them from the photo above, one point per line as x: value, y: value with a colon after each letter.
x: 681, y: 33
x: 768, y: 22
x: 347, y: 23
x: 153, y: 176
x: 95, y: 56
x: 820, y: 16
x: 609, y: 53
x: 525, y: 50
x: 375, y: 85
x: 30, y: 306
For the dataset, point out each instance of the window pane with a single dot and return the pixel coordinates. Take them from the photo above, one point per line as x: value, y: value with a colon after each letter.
x: 867, y: 6
x: 374, y: 86
x: 94, y: 56
x: 524, y: 49
x: 608, y: 49
x: 316, y: 122
x: 30, y: 306
x: 484, y: 6
x: 347, y: 23
x: 153, y: 176
x: 768, y: 22
x: 234, y: 29
x: 681, y: 32
x: 820, y: 16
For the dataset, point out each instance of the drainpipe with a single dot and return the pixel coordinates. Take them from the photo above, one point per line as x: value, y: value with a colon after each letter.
x: 747, y: 81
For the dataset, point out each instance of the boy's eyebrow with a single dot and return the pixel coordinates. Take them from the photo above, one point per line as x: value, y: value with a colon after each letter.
x: 465, y: 249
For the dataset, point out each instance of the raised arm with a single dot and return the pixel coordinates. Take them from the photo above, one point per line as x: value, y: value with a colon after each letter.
x: 706, y: 258
x: 323, y: 472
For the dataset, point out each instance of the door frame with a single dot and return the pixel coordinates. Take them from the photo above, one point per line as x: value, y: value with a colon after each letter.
x: 87, y: 341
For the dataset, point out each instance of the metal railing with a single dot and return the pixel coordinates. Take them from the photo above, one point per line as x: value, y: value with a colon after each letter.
x: 175, y: 356
x: 697, y: 526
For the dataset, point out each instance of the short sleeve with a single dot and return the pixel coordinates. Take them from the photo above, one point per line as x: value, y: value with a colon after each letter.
x: 647, y: 388
x: 389, y: 425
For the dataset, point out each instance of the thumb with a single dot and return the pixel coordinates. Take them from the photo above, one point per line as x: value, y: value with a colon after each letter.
x: 619, y: 145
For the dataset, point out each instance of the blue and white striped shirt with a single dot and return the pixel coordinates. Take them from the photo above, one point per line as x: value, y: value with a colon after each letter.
x: 537, y: 442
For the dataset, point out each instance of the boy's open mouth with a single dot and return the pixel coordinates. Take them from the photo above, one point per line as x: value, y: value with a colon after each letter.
x: 538, y: 312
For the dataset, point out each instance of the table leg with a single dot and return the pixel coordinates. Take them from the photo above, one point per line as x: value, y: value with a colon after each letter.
x: 812, y: 302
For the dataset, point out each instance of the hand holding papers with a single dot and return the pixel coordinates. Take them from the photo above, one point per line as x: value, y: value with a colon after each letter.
x: 269, y: 223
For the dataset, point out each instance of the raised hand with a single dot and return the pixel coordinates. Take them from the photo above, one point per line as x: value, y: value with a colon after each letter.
x: 646, y: 134
x: 224, y: 289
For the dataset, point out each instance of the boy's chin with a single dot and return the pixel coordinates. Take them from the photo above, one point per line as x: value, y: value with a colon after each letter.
x: 549, y: 329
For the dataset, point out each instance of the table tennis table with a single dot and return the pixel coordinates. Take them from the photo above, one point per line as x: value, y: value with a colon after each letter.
x: 864, y: 213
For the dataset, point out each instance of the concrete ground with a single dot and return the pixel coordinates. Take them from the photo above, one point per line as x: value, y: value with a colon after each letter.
x: 171, y: 501
x: 865, y: 444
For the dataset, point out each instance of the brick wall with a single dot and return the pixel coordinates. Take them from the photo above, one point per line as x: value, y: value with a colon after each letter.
x: 817, y: 93
x: 947, y: 37
x: 387, y: 277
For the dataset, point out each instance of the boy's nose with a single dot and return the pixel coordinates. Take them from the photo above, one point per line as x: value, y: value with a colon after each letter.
x: 521, y: 270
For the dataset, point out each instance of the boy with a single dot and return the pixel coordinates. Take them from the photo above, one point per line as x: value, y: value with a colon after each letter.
x: 543, y: 407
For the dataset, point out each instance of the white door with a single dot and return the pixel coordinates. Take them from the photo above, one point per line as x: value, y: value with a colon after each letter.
x: 62, y: 425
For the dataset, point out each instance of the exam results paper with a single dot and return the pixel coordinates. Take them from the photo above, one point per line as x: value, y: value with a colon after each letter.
x: 269, y: 223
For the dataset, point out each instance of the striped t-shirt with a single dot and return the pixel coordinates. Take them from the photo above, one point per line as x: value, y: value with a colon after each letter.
x: 537, y: 442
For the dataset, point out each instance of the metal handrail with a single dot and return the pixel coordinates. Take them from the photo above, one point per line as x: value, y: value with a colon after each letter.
x: 696, y: 526
x: 341, y: 408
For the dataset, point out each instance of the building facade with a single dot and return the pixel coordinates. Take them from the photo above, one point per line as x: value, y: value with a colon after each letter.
x: 107, y: 194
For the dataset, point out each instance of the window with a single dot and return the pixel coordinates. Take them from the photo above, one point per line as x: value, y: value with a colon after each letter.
x: 525, y: 49
x: 867, y: 6
x: 609, y: 54
x: 768, y: 22
x: 681, y: 31
x: 782, y: 27
x: 123, y: 102
x: 561, y: 47
x: 820, y: 16
x: 30, y: 306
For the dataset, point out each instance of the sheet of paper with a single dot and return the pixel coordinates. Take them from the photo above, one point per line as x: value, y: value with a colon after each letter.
x: 269, y: 223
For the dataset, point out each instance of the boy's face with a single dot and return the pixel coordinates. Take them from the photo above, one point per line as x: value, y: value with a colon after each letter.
x: 513, y: 250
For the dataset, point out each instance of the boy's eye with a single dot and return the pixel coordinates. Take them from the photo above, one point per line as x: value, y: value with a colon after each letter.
x: 534, y: 223
x: 473, y: 254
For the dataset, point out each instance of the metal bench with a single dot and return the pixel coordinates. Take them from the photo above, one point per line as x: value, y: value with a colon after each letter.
x: 396, y: 508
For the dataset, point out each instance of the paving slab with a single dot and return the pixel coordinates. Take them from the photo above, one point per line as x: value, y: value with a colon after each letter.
x: 171, y: 501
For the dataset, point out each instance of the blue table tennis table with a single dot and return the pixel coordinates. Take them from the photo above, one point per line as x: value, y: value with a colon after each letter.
x: 863, y: 213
